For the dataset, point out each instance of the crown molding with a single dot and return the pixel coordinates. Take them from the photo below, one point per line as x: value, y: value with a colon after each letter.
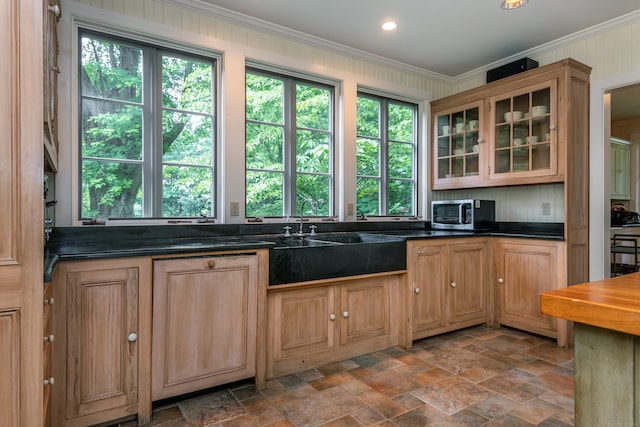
x: 236, y: 18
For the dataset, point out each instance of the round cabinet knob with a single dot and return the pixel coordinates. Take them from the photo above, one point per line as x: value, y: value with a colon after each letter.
x: 345, y: 314
x: 501, y: 280
x: 48, y: 338
x: 552, y: 127
x: 453, y: 284
x: 49, y: 381
x: 48, y: 301
x: 416, y: 290
x: 332, y: 316
x: 132, y: 337
x: 211, y: 263
x: 55, y: 9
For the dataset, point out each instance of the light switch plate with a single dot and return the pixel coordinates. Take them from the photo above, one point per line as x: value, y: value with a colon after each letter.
x: 350, y: 209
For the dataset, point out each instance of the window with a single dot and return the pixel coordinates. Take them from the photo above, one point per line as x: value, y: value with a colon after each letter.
x: 147, y: 131
x: 289, y: 146
x: 386, y: 157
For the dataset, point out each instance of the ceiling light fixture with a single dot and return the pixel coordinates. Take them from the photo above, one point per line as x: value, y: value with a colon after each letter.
x: 513, y: 4
x: 389, y: 25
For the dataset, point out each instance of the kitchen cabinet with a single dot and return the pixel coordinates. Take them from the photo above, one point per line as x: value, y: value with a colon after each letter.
x: 620, y: 169
x: 528, y: 130
x: 313, y: 325
x: 103, y: 337
x: 525, y: 268
x: 9, y: 368
x: 448, y: 280
x: 205, y: 315
x: 21, y: 240
x: 51, y: 16
x: 456, y: 151
x: 48, y: 340
x: 523, y: 133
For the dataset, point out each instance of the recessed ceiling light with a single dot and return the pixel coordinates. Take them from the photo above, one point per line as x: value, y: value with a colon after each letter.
x: 513, y: 4
x: 389, y: 25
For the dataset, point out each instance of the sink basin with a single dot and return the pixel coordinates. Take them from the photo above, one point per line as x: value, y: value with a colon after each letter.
x: 331, y: 255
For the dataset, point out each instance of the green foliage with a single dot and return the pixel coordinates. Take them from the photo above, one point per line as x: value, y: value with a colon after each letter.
x: 267, y: 143
x: 399, y: 155
x: 112, y: 132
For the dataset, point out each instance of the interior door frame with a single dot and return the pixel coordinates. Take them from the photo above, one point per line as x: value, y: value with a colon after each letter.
x: 599, y: 165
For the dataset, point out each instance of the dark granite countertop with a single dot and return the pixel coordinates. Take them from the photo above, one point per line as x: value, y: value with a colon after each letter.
x: 77, y: 243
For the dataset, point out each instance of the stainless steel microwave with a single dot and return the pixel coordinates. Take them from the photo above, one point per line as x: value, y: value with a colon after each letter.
x: 469, y: 214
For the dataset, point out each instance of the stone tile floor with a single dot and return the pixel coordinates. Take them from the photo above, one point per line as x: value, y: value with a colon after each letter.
x: 473, y: 377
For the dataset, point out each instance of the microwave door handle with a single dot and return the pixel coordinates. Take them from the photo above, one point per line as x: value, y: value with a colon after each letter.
x: 461, y: 212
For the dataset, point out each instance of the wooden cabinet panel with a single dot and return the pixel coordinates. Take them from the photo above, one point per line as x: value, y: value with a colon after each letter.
x: 101, y: 323
x: 467, y: 299
x: 365, y: 308
x: 303, y: 323
x: 428, y: 268
x: 102, y: 362
x: 21, y: 245
x: 448, y: 285
x: 525, y: 270
x: 9, y: 368
x: 310, y: 326
x: 204, y: 317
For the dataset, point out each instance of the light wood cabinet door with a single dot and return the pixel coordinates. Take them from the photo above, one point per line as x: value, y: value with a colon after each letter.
x: 21, y: 231
x: 102, y: 349
x: 9, y: 368
x: 459, y: 155
x: 523, y: 137
x: 448, y: 280
x: 428, y: 269
x: 303, y: 322
x: 101, y: 321
x: 204, y: 322
x: 313, y: 325
x: 525, y: 270
x: 466, y: 292
x: 364, y: 310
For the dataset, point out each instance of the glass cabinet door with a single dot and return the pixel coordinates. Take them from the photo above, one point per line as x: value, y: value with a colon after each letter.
x: 523, y: 140
x: 457, y: 138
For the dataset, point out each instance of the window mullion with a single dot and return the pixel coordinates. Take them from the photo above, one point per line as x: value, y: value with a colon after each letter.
x: 384, y: 157
x: 289, y: 148
x: 152, y: 127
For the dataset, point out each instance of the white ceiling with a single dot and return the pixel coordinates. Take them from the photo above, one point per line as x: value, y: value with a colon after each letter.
x: 449, y: 37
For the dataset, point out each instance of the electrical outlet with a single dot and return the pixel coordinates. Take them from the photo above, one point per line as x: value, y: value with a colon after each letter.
x: 234, y: 208
x: 350, y: 209
x: 546, y: 208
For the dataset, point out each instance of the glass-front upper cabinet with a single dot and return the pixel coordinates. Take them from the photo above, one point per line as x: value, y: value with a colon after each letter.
x: 457, y: 149
x: 523, y: 141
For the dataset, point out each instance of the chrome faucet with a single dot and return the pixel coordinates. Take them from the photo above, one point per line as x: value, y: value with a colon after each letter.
x: 315, y: 211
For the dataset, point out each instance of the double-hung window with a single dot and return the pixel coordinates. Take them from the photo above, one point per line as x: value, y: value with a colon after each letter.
x: 386, y: 156
x: 147, y: 130
x: 289, y: 146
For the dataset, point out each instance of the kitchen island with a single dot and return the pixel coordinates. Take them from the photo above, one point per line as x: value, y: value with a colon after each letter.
x: 607, y: 347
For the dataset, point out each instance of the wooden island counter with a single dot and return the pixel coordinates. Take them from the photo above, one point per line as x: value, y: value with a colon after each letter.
x: 607, y: 347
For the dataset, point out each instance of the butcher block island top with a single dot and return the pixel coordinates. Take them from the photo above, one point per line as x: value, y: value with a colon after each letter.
x: 607, y: 338
x: 610, y: 303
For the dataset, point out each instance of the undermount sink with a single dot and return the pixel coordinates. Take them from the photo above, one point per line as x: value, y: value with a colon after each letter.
x: 331, y: 255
